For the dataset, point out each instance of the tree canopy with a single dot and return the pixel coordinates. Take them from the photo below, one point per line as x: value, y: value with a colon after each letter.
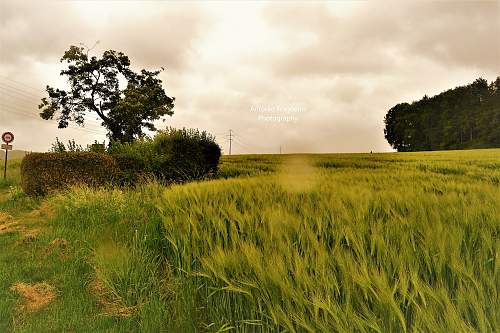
x: 460, y: 118
x: 95, y: 87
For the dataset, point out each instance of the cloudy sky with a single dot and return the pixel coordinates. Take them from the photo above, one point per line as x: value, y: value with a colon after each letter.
x: 309, y: 77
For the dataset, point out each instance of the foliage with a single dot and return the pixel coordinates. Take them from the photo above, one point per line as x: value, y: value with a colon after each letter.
x: 72, y: 146
x: 172, y: 155
x: 15, y: 193
x: 186, y: 154
x: 60, y: 147
x: 95, y: 87
x: 132, y: 167
x: 97, y: 147
x: 45, y: 172
x: 460, y: 118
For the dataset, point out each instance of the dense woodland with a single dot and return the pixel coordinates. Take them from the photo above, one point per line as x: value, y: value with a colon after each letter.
x: 460, y: 118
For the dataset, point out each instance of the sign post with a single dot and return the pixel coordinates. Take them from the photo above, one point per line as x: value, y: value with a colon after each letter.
x: 7, y: 137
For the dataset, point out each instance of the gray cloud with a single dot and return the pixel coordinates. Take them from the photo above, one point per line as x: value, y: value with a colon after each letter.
x: 153, y: 36
x: 347, y: 62
x: 36, y: 31
x: 377, y: 36
x: 164, y: 38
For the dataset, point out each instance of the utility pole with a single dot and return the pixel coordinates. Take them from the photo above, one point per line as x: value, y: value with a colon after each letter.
x: 230, y: 140
x: 280, y: 149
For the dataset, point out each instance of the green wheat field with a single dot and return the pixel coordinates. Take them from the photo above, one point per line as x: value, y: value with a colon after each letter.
x: 392, y: 242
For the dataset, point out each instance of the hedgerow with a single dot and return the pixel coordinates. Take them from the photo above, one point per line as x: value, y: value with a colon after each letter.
x: 45, y: 172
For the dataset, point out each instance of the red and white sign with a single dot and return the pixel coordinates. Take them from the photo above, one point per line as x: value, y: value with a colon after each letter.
x: 7, y: 137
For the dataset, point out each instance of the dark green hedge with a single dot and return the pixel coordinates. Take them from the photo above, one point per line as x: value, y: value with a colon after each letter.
x: 186, y: 154
x: 173, y: 155
x: 132, y: 168
x: 45, y: 172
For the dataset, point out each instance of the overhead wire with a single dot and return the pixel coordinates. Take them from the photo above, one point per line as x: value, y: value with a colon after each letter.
x: 15, y: 92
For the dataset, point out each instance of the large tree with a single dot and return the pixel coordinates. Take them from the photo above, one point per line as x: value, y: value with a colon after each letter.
x: 95, y: 87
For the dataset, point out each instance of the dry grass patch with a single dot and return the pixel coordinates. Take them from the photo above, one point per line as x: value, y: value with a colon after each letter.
x: 4, y: 217
x: 7, y: 224
x: 29, y: 235
x: 111, y: 304
x: 45, y: 210
x: 35, y: 296
x: 60, y: 243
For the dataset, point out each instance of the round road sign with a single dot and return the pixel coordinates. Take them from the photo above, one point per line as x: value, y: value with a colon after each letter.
x: 7, y: 137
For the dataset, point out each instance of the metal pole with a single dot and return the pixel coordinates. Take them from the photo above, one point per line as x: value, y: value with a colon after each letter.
x: 5, y: 166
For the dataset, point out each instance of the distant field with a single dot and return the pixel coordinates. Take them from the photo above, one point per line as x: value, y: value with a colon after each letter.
x: 13, y: 154
x: 280, y: 243
x: 13, y: 173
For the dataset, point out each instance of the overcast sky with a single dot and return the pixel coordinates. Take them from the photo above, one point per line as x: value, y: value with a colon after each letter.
x: 311, y: 77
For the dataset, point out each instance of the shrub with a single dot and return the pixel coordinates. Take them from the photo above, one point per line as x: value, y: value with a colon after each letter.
x: 60, y: 147
x: 45, y: 172
x: 132, y: 168
x: 186, y: 154
x: 135, y: 159
x: 172, y: 155
x: 72, y: 146
x: 97, y: 147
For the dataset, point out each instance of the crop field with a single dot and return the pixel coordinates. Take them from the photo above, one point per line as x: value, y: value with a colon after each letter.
x: 392, y: 242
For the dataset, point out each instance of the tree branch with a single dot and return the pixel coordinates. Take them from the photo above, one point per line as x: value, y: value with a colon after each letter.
x: 92, y: 95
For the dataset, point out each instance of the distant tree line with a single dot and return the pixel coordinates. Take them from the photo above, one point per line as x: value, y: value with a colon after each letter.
x: 460, y: 118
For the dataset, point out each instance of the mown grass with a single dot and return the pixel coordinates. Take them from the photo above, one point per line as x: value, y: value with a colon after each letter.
x: 296, y: 243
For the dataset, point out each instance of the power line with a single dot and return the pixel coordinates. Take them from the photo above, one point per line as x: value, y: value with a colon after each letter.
x: 21, y: 112
x: 244, y: 145
x: 21, y: 83
x: 28, y: 96
x: 17, y: 91
x: 234, y: 139
x: 90, y: 122
x: 252, y: 147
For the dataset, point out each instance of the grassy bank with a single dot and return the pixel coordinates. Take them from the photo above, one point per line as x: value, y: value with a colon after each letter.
x: 297, y: 243
x: 13, y: 173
